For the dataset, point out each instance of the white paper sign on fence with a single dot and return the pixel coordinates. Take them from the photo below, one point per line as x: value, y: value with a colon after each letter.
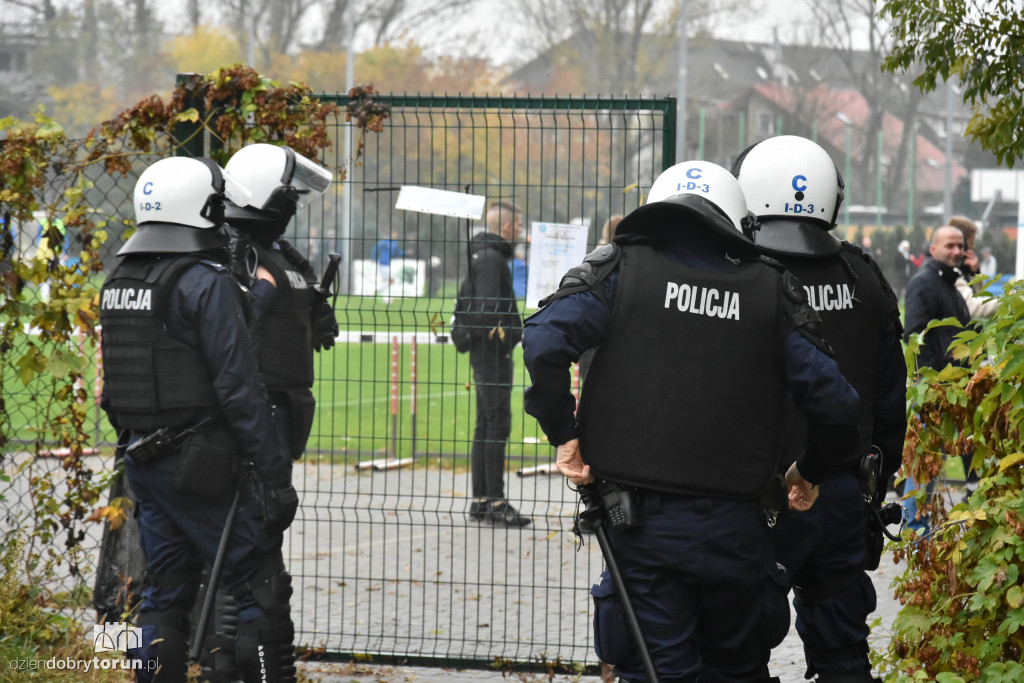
x: 554, y: 249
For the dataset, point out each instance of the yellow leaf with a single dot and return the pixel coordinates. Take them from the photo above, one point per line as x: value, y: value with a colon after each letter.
x: 1010, y: 460
x: 551, y: 535
x: 1014, y: 596
x: 191, y: 115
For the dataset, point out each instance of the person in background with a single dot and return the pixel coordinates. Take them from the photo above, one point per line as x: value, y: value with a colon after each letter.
x: 608, y: 230
x: 383, y: 253
x: 987, y: 266
x: 496, y: 329
x: 933, y: 295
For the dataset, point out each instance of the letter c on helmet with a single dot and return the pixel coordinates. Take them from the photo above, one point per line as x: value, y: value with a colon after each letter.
x: 800, y: 183
x: 694, y: 173
x: 147, y: 188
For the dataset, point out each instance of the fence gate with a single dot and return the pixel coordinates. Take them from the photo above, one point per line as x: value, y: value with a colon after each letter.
x: 384, y: 559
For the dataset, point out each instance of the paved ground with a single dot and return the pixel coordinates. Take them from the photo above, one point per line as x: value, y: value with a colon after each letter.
x: 387, y: 562
x: 787, y: 660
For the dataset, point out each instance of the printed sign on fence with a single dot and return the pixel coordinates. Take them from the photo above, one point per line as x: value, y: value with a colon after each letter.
x: 554, y: 249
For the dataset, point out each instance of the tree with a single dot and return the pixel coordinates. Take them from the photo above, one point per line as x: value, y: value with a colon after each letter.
x: 617, y: 46
x: 979, y: 45
x: 843, y: 26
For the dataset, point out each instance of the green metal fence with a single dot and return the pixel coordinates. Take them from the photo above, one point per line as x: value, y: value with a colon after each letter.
x: 385, y: 559
x: 385, y: 562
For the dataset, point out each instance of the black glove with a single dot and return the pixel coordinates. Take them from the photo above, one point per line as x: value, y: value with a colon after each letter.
x: 279, y: 507
x: 324, y: 326
x: 242, y: 257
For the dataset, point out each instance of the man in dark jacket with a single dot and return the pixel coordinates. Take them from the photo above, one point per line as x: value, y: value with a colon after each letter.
x: 932, y: 295
x: 496, y: 329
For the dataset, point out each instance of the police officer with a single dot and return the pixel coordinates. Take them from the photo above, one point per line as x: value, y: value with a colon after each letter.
x: 294, y: 319
x: 796, y: 190
x: 699, y: 339
x: 182, y: 388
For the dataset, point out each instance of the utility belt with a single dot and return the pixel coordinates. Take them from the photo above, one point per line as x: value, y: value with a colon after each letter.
x: 621, y: 506
x: 161, y: 442
x: 209, y: 457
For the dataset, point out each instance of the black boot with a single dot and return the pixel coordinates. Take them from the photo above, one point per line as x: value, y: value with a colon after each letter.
x: 265, y: 650
x: 502, y: 512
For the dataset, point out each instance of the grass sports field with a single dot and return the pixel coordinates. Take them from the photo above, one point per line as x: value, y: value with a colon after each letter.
x: 354, y: 388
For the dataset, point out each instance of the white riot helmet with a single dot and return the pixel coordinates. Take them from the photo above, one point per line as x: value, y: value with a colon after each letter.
x: 179, y: 206
x: 795, y: 189
x: 281, y: 180
x: 693, y: 193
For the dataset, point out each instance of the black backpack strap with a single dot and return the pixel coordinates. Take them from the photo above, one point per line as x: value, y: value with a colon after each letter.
x: 887, y: 291
x: 595, y: 269
x: 805, y: 319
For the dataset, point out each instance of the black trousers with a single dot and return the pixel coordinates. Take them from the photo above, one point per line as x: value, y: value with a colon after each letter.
x: 492, y: 376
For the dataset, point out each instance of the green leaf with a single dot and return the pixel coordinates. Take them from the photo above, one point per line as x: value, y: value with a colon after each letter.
x: 913, y: 621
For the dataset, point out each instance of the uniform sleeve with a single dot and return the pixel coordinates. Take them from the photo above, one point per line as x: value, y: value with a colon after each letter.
x: 553, y: 339
x: 210, y: 306
x: 890, y: 404
x: 822, y: 394
x: 262, y: 297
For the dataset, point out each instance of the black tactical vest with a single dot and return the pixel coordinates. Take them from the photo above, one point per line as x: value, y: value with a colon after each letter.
x: 284, y: 338
x: 855, y: 304
x: 150, y: 379
x: 684, y: 394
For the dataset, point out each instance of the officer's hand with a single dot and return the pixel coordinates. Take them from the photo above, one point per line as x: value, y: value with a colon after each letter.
x: 325, y: 326
x: 570, y: 463
x: 279, y: 507
x: 802, y: 493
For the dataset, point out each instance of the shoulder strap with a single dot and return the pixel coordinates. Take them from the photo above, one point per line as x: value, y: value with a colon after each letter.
x: 595, y: 269
x: 887, y: 291
x: 805, y: 319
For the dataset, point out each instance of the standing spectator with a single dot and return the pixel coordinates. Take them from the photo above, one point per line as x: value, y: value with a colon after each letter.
x: 932, y: 295
x: 828, y: 548
x: 903, y: 269
x: 608, y: 230
x: 497, y: 327
x: 987, y: 265
x: 383, y: 253
x: 661, y: 419
x: 179, y: 366
x: 977, y: 306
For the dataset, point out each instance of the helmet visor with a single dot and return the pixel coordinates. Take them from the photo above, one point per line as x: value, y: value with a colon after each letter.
x: 236, y: 192
x: 309, y: 179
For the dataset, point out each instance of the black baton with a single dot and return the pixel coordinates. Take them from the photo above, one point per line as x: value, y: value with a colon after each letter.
x: 593, y: 519
x: 211, y: 586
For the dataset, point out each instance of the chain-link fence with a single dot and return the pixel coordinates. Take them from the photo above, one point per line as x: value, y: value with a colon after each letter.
x: 385, y: 560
